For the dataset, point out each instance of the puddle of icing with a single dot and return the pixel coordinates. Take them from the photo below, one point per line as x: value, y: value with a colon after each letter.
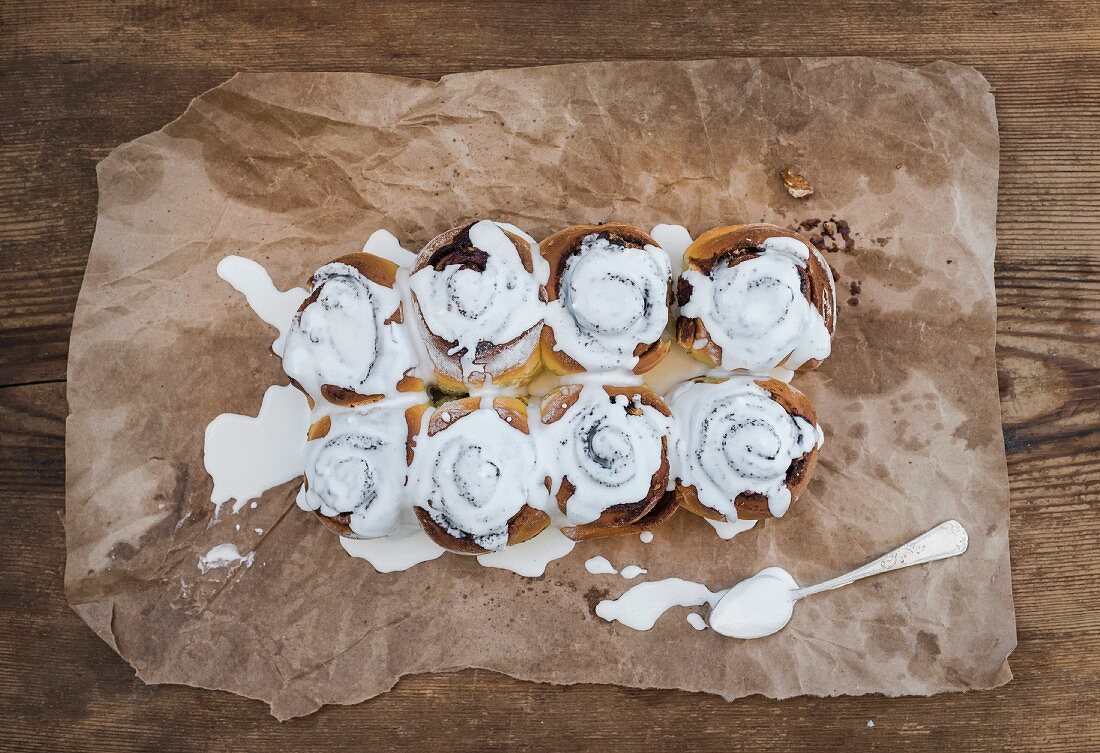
x: 395, y: 552
x: 274, y: 306
x: 245, y: 455
x: 696, y: 621
x: 600, y: 566
x: 728, y: 530
x: 531, y: 557
x: 646, y: 536
x: 224, y: 555
x: 630, y: 572
x: 641, y: 606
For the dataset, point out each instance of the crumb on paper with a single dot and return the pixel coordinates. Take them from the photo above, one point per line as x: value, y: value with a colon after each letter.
x: 870, y: 724
x: 797, y: 185
x: 831, y: 235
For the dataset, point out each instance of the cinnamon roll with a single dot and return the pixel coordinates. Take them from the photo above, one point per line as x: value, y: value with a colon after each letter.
x: 474, y: 476
x: 746, y: 447
x: 754, y: 297
x: 480, y: 304
x: 356, y: 467
x: 348, y: 343
x: 605, y: 451
x: 608, y: 295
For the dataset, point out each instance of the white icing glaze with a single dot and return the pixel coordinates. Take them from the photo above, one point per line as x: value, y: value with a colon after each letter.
x: 530, y: 558
x: 224, y: 555
x: 344, y: 338
x: 646, y: 536
x: 611, y: 298
x: 728, y: 529
x: 630, y: 572
x: 758, y: 606
x: 608, y: 455
x: 641, y: 606
x: 467, y: 307
x: 275, y: 307
x: 696, y: 621
x: 599, y: 566
x: 474, y: 476
x: 400, y: 550
x: 756, y: 311
x: 358, y: 467
x: 245, y: 456
x: 733, y: 437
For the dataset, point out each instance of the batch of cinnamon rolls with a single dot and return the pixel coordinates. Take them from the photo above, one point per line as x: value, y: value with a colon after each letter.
x: 416, y: 377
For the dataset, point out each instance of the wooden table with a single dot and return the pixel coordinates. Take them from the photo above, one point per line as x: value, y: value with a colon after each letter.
x: 81, y: 77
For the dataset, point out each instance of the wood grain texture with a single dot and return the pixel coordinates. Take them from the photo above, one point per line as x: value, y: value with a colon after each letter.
x: 80, y: 78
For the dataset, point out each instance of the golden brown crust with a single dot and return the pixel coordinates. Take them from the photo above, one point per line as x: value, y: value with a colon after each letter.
x: 525, y: 524
x: 452, y: 247
x: 617, y: 520
x: 339, y: 524
x: 556, y: 250
x: 735, y: 244
x: 752, y: 505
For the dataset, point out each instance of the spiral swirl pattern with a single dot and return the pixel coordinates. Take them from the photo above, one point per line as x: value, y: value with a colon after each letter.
x: 734, y: 438
x: 474, y: 476
x: 611, y: 299
x: 343, y: 336
x: 609, y: 449
x: 757, y: 311
x: 359, y: 468
x: 470, y: 307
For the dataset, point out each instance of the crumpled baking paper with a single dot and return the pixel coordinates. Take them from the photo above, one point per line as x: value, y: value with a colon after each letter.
x: 294, y: 169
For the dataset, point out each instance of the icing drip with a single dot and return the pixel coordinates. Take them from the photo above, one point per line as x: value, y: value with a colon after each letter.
x: 473, y: 476
x: 735, y: 438
x: 727, y: 530
x: 274, y: 306
x: 471, y: 308
x: 359, y: 468
x: 608, y: 454
x: 343, y: 337
x: 675, y: 240
x: 756, y: 311
x: 611, y: 298
x: 383, y: 244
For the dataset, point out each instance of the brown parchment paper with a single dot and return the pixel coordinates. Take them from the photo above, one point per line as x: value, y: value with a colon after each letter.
x: 293, y: 169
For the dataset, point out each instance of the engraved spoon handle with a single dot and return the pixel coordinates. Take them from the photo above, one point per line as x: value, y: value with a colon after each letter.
x: 945, y: 540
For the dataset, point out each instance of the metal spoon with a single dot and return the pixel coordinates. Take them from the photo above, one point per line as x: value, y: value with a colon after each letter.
x: 764, y: 603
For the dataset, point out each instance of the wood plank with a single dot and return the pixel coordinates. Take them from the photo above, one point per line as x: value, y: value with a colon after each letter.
x: 80, y: 78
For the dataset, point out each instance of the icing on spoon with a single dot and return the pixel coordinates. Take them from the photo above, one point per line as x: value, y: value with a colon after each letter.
x: 764, y: 603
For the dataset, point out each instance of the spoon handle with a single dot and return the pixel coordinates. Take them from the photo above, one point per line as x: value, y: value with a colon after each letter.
x: 945, y: 540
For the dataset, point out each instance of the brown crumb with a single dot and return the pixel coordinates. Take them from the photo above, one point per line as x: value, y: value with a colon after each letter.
x: 797, y: 185
x: 853, y: 301
x: 830, y: 235
x: 948, y: 261
x: 855, y: 287
x: 594, y: 596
